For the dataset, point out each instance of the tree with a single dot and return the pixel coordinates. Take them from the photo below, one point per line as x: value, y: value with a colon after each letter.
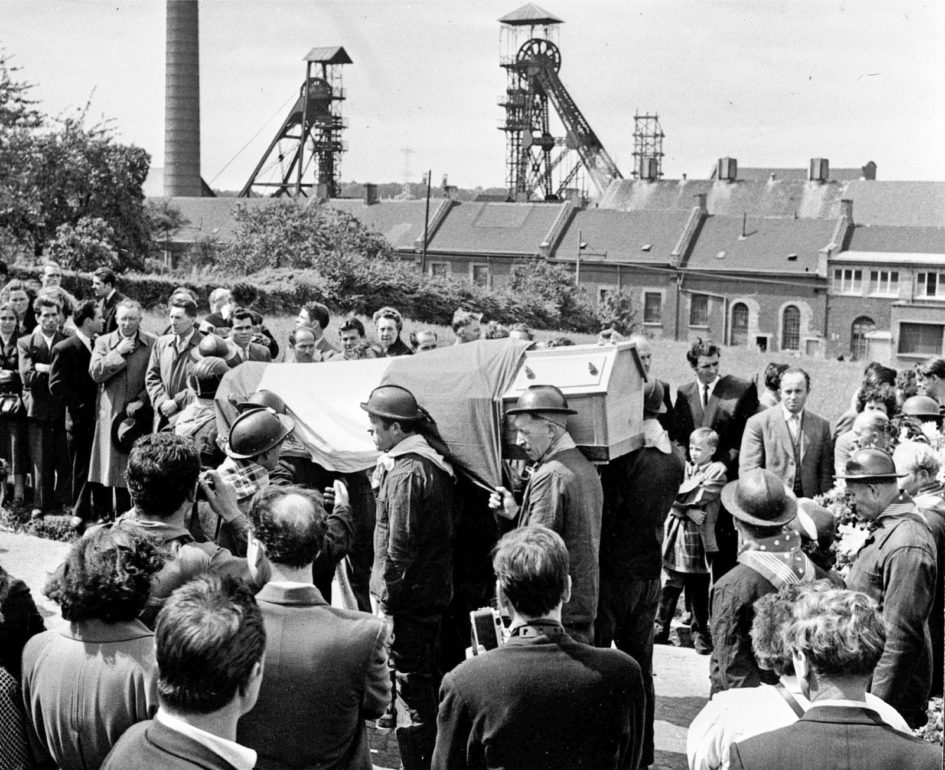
x: 85, y: 247
x: 616, y: 311
x: 289, y: 234
x: 554, y: 284
x: 57, y: 171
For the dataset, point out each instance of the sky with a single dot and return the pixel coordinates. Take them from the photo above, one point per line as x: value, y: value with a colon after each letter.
x: 770, y: 83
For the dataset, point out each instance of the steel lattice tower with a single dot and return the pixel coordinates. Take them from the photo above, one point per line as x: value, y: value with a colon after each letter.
x: 647, y: 147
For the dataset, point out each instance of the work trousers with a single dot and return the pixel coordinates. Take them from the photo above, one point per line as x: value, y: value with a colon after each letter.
x: 414, y: 658
x: 50, y: 460
x: 626, y: 613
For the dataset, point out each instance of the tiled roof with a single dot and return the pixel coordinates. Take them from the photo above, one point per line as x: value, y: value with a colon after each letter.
x: 898, y: 240
x: 767, y: 246
x: 400, y: 222
x: 622, y: 236
x: 329, y: 54
x: 757, y: 199
x: 908, y: 204
x: 496, y: 228
x: 212, y: 217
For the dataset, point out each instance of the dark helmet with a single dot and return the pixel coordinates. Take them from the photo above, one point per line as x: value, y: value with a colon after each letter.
x: 653, y: 397
x: 206, y: 375
x: 264, y: 398
x: 214, y: 345
x: 921, y: 406
x: 257, y: 431
x: 393, y: 403
x: 541, y: 398
x: 870, y: 464
x: 758, y: 497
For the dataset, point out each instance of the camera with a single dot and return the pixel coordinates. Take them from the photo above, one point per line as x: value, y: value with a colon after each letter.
x: 487, y: 629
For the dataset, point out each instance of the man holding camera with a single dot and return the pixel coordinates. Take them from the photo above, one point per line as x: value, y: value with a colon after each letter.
x: 541, y: 699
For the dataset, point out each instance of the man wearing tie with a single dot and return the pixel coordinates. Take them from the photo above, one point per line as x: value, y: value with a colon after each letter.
x: 71, y: 383
x: 103, y: 284
x: 723, y: 403
x: 44, y: 413
x: 241, y: 335
x: 791, y: 442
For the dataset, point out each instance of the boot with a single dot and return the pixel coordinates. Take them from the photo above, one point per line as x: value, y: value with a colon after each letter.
x: 416, y: 747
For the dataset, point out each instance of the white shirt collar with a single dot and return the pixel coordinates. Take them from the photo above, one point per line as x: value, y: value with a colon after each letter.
x: 48, y: 338
x: 789, y: 414
x: 110, y: 294
x: 181, y: 345
x: 240, y: 757
x: 711, y: 385
x: 86, y: 340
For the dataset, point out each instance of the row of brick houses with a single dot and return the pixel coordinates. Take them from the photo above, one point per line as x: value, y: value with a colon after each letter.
x: 845, y: 265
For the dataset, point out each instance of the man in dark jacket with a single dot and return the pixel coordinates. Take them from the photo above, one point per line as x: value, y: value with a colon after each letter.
x: 563, y: 493
x: 412, y: 574
x: 71, y: 383
x: 771, y: 558
x: 210, y: 646
x: 104, y: 285
x: 639, y: 490
x: 541, y: 699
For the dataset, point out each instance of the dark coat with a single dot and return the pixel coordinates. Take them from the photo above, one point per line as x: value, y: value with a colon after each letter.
x: 839, y: 737
x: 639, y: 490
x: 897, y: 567
x: 544, y: 701
x: 731, y: 403
x: 71, y: 383
x: 564, y: 494
x: 109, y: 308
x: 40, y: 404
x: 21, y: 621
x: 151, y: 744
x: 331, y: 665
x: 256, y: 353
x: 398, y: 348
x: 412, y: 570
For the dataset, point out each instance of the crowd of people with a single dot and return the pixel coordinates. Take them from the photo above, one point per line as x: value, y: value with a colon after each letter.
x: 233, y: 604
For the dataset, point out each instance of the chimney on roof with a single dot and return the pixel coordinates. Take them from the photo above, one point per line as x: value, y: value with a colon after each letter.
x: 869, y: 172
x: 649, y: 169
x: 370, y: 194
x: 819, y: 170
x: 727, y: 170
x: 846, y: 210
x: 772, y: 177
x: 701, y: 203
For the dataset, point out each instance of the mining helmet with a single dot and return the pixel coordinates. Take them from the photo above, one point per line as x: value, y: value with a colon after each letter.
x: 870, y: 464
x: 758, y: 497
x: 393, y: 402
x: 541, y: 398
x: 206, y: 375
x: 214, y: 345
x: 257, y: 431
x: 264, y: 398
x: 921, y: 406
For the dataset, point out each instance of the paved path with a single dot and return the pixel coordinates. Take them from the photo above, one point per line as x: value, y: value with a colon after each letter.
x: 681, y: 676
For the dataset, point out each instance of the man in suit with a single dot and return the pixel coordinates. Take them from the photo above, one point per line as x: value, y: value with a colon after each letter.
x: 210, y: 646
x: 241, y: 335
x: 71, y: 383
x: 172, y: 361
x: 45, y: 414
x: 540, y: 699
x: 667, y: 417
x: 330, y: 664
x: 837, y: 638
x: 563, y: 493
x: 723, y: 403
x: 103, y: 285
x: 789, y: 441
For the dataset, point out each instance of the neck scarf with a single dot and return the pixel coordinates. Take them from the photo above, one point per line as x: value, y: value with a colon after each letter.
x: 415, y: 445
x: 778, y: 558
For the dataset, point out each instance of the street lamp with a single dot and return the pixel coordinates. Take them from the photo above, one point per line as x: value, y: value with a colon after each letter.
x: 577, y: 269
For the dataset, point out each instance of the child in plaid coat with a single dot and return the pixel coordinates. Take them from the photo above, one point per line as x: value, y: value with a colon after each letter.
x: 689, y: 539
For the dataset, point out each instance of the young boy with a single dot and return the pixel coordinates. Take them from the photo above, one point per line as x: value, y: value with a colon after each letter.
x: 690, y: 539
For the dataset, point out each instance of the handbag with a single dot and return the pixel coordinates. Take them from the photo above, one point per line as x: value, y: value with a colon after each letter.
x: 11, y: 405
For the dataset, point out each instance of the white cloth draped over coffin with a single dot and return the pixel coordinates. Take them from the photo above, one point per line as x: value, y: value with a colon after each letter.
x: 460, y: 386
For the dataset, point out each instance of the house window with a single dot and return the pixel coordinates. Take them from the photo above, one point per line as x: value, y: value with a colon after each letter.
x: 652, y: 307
x: 884, y: 283
x: 847, y: 281
x: 791, y: 328
x: 739, y: 335
x: 920, y: 339
x: 699, y: 310
x: 602, y: 293
x: 861, y: 326
x: 930, y: 285
x: 439, y: 269
x: 480, y: 274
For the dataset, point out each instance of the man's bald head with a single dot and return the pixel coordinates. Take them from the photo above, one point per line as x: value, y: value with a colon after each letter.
x: 643, y: 350
x: 290, y: 522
